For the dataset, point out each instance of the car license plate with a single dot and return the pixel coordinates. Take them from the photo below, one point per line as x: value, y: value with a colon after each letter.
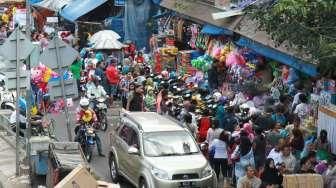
x: 187, y: 184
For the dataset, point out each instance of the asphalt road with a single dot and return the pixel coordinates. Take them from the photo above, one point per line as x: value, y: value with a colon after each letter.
x: 98, y: 164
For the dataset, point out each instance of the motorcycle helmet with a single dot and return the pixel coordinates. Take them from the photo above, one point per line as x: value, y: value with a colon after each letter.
x: 217, y: 96
x: 84, y: 102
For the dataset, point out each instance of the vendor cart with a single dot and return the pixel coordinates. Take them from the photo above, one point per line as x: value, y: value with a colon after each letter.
x: 62, y: 159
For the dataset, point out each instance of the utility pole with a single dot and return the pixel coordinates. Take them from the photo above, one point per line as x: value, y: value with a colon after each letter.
x: 17, y: 156
x: 28, y: 91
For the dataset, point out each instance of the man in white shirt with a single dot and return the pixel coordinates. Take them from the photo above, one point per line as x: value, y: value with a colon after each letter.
x: 288, y: 159
x: 95, y: 91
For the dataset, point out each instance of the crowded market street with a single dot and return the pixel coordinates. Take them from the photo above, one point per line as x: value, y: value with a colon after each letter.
x: 167, y: 94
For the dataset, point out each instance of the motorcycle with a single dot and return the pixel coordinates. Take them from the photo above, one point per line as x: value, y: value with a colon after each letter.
x: 7, y: 100
x: 42, y: 127
x: 86, y: 138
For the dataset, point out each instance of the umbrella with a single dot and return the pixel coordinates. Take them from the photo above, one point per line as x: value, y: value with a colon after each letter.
x: 108, y: 44
x: 104, y: 35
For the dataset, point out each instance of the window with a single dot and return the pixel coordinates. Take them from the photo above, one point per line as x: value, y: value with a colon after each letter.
x: 123, y: 134
x: 130, y: 136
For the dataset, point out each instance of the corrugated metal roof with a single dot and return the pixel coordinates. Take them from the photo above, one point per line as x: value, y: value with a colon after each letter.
x: 201, y: 12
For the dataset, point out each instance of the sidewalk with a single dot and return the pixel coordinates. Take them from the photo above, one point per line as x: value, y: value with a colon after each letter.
x: 7, y: 168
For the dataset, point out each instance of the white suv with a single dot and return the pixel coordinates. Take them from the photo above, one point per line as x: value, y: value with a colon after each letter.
x: 153, y: 151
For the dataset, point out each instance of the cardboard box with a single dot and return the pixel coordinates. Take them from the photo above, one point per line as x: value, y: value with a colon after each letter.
x: 80, y: 178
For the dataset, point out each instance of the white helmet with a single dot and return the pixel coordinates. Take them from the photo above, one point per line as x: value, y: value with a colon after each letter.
x: 84, y: 102
x: 217, y: 96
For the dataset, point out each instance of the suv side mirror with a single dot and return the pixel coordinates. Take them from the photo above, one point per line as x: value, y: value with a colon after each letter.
x: 133, y: 151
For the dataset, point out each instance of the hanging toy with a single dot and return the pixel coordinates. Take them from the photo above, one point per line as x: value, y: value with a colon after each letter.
x: 234, y: 58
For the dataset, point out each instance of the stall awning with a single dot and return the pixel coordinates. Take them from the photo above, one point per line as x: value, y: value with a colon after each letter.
x: 213, y: 30
x: 52, y: 5
x: 276, y: 55
x: 78, y: 8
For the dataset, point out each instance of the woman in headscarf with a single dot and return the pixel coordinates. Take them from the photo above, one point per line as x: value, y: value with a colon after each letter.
x: 243, y: 155
x: 249, y: 131
x: 271, y: 176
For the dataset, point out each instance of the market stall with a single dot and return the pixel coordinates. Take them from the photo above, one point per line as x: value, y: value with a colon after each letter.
x: 327, y: 121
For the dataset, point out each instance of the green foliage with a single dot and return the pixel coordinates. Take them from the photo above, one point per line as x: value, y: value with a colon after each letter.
x: 309, y: 25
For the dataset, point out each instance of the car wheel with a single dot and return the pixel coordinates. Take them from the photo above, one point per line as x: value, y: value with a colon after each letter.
x: 143, y: 184
x: 113, y: 170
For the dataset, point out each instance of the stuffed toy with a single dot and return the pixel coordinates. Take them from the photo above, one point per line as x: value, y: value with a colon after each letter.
x: 234, y: 58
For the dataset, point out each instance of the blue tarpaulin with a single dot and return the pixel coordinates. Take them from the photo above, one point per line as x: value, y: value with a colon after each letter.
x: 213, y: 30
x: 274, y: 54
x: 34, y: 1
x: 157, y: 2
x: 116, y: 24
x: 78, y: 8
x: 137, y: 16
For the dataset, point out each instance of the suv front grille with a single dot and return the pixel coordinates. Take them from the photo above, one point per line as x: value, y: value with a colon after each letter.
x: 185, y: 176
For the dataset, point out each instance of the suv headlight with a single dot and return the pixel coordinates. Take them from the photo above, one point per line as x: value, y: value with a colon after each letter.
x: 207, y: 171
x: 161, y: 174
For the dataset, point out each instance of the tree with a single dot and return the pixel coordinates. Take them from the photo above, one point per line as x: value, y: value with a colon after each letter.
x: 308, y: 25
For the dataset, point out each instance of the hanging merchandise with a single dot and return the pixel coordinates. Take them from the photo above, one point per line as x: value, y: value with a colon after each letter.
x: 194, y: 34
x: 234, y: 58
x: 202, y: 63
x: 202, y: 41
x: 40, y: 76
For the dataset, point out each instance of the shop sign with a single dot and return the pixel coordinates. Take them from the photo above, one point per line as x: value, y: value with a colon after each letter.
x: 19, y: 17
x: 52, y: 19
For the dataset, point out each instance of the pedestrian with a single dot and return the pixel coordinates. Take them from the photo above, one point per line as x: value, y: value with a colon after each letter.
x: 297, y: 142
x: 3, y: 34
x: 322, y: 142
x: 100, y: 73
x: 259, y: 149
x: 76, y: 68
x: 243, y: 157
x: 113, y: 78
x: 126, y: 86
x: 135, y: 101
x: 288, y: 159
x: 204, y: 125
x: 302, y: 109
x: 306, y: 166
x: 273, y: 136
x: 270, y: 175
x: 278, y: 116
x: 249, y: 180
x: 220, y: 159
x: 150, y: 100
x: 247, y: 128
x: 188, y: 124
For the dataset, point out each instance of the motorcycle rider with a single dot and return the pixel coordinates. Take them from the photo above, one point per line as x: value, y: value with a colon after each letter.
x: 84, y: 107
x: 95, y: 90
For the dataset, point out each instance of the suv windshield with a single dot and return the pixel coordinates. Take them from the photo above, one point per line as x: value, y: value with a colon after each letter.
x: 170, y: 143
